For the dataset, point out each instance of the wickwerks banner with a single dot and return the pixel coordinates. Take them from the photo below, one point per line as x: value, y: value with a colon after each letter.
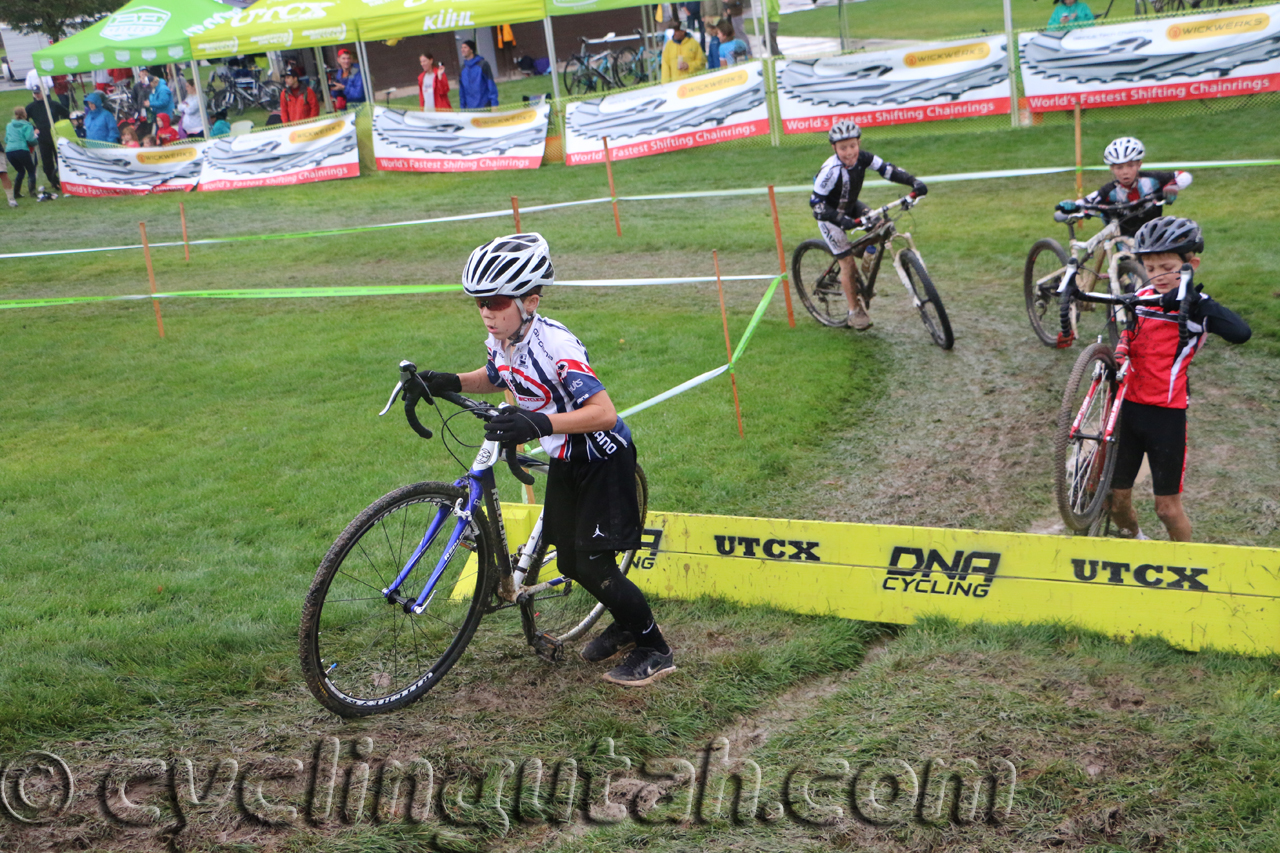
x: 411, y: 141
x: 689, y: 113
x: 924, y: 83
x: 322, y: 150
x: 1145, y: 62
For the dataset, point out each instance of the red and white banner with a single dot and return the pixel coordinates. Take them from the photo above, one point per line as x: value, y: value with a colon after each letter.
x: 928, y: 82
x: 96, y: 171
x: 412, y: 141
x: 1146, y: 62
x: 689, y: 113
x: 320, y: 150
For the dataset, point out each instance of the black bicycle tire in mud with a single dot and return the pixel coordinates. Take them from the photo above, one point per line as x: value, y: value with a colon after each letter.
x: 1081, y: 479
x: 568, y: 611
x: 1040, y: 288
x: 817, y: 283
x: 362, y: 654
x: 932, y: 313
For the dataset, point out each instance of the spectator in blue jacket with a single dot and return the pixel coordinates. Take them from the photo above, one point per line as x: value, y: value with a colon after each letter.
x: 161, y: 98
x: 348, y: 84
x: 99, y: 123
x: 476, y: 86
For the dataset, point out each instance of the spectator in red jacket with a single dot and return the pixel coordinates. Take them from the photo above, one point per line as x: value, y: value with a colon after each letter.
x: 433, y: 86
x: 297, y: 103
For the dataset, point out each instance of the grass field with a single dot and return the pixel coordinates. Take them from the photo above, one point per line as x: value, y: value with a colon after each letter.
x: 165, y: 503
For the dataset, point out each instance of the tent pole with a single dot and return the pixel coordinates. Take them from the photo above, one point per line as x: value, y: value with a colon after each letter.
x: 366, y: 76
x: 324, y: 80
x: 551, y: 53
x: 1011, y: 45
x: 204, y: 108
x: 48, y: 108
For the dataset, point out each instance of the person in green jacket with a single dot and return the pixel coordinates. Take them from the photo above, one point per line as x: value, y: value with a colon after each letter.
x: 1069, y: 14
x: 19, y: 138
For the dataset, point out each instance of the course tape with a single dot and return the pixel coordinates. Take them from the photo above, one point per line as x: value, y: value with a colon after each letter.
x: 354, y: 290
x: 494, y: 214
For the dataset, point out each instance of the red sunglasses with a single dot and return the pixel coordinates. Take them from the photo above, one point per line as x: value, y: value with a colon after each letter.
x: 494, y: 303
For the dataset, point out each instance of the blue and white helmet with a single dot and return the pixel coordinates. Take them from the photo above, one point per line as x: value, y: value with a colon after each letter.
x: 509, y: 266
x: 1126, y: 149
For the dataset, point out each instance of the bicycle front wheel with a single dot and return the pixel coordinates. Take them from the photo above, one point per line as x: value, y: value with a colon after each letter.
x: 269, y: 96
x: 626, y: 70
x: 927, y: 300
x: 1084, y: 456
x: 364, y: 652
x: 574, y: 78
x: 1130, y: 277
x: 816, y: 275
x: 568, y: 611
x: 1046, y: 263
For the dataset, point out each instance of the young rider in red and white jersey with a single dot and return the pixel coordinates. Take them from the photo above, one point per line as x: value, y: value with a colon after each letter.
x: 836, y: 207
x: 592, y: 509
x: 1153, y: 417
x: 1129, y: 184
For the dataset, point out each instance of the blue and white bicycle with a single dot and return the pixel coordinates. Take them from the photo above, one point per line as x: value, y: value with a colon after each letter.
x: 400, y: 593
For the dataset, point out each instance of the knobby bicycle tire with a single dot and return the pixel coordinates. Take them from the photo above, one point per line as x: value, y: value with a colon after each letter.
x: 1083, y: 461
x: 929, y: 303
x: 816, y: 276
x: 568, y: 611
x: 626, y: 70
x: 1046, y: 263
x: 576, y: 74
x: 362, y: 654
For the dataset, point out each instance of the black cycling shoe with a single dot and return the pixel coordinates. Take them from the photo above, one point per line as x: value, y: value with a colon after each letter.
x: 608, y: 644
x: 642, y: 667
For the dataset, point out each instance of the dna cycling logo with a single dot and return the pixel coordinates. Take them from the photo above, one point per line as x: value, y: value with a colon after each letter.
x: 965, y: 574
x: 1144, y: 574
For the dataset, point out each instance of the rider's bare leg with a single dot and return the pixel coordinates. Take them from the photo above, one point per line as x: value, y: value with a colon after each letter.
x: 1122, y: 514
x: 847, y: 265
x: 1169, y: 508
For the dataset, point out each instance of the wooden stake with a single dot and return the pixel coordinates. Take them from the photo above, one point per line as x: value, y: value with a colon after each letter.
x: 186, y: 244
x: 728, y: 348
x: 515, y: 211
x: 151, y: 275
x: 782, y: 256
x: 608, y: 167
x: 511, y: 398
x: 1079, y: 156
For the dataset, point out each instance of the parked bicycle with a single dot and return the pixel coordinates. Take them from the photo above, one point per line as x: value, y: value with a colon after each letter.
x: 1047, y: 263
x: 1084, y: 447
x: 398, y: 597
x: 240, y: 93
x: 588, y: 72
x: 816, y: 273
x: 120, y: 102
x: 639, y: 66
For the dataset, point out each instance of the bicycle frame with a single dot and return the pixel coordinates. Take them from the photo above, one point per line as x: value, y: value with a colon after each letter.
x: 888, y: 235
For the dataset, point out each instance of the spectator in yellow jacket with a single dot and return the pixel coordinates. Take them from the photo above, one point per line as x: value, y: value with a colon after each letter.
x: 681, y: 55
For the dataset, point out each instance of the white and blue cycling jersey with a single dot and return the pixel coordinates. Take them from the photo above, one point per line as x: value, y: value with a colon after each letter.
x: 550, y: 373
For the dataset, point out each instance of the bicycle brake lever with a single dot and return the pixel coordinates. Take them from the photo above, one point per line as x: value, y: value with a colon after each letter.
x: 395, y: 392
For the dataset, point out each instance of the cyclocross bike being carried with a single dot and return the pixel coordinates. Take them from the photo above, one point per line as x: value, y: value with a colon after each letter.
x: 398, y: 596
x: 1047, y: 263
x: 1084, y: 447
x: 816, y: 273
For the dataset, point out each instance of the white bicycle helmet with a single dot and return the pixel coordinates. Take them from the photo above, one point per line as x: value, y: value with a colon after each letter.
x: 846, y: 128
x: 509, y: 266
x: 1126, y: 149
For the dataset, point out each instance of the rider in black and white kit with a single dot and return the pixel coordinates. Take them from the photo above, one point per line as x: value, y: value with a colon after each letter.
x: 836, y: 207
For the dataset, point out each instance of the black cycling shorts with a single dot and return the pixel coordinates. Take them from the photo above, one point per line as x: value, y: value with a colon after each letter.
x: 593, y: 505
x: 1161, y: 434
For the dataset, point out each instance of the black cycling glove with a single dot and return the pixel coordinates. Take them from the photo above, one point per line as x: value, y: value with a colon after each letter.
x: 847, y: 223
x: 1170, y: 303
x: 919, y: 188
x: 517, y: 425
x: 439, y: 383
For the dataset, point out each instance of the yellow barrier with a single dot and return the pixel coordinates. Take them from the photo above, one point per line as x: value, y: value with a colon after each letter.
x: 1195, y: 596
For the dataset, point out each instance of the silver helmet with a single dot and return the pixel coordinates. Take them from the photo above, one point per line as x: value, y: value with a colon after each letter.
x: 1126, y: 149
x: 846, y: 128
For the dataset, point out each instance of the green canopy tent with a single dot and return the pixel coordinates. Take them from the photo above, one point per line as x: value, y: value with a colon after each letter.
x: 142, y: 32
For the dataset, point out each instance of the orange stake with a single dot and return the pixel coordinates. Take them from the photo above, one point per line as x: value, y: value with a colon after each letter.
x: 182, y: 211
x: 728, y: 348
x: 515, y: 211
x: 782, y: 256
x: 151, y: 275
x: 608, y: 167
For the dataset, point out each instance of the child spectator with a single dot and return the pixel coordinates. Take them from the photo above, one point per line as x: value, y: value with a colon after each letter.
x: 220, y: 125
x: 592, y: 509
x: 1069, y: 15
x: 733, y: 50
x: 1153, y: 416
x: 1130, y: 184
x: 150, y: 141
x: 129, y: 137
x: 19, y: 141
x: 164, y: 133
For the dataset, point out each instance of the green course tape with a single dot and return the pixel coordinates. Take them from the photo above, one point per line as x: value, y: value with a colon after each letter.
x: 755, y: 318
x: 265, y: 293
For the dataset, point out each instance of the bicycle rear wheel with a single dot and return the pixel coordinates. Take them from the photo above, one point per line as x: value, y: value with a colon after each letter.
x: 576, y: 76
x: 927, y: 300
x: 567, y: 611
x: 364, y: 654
x: 1045, y: 265
x: 269, y: 96
x: 816, y: 276
x: 1084, y: 457
x: 626, y: 70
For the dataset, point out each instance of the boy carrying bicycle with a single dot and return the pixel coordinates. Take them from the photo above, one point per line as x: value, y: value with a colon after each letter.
x: 1153, y: 416
x: 836, y: 206
x: 592, y: 510
x: 1129, y: 185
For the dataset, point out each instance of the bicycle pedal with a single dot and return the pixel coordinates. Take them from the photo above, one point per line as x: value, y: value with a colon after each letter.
x: 548, y: 647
